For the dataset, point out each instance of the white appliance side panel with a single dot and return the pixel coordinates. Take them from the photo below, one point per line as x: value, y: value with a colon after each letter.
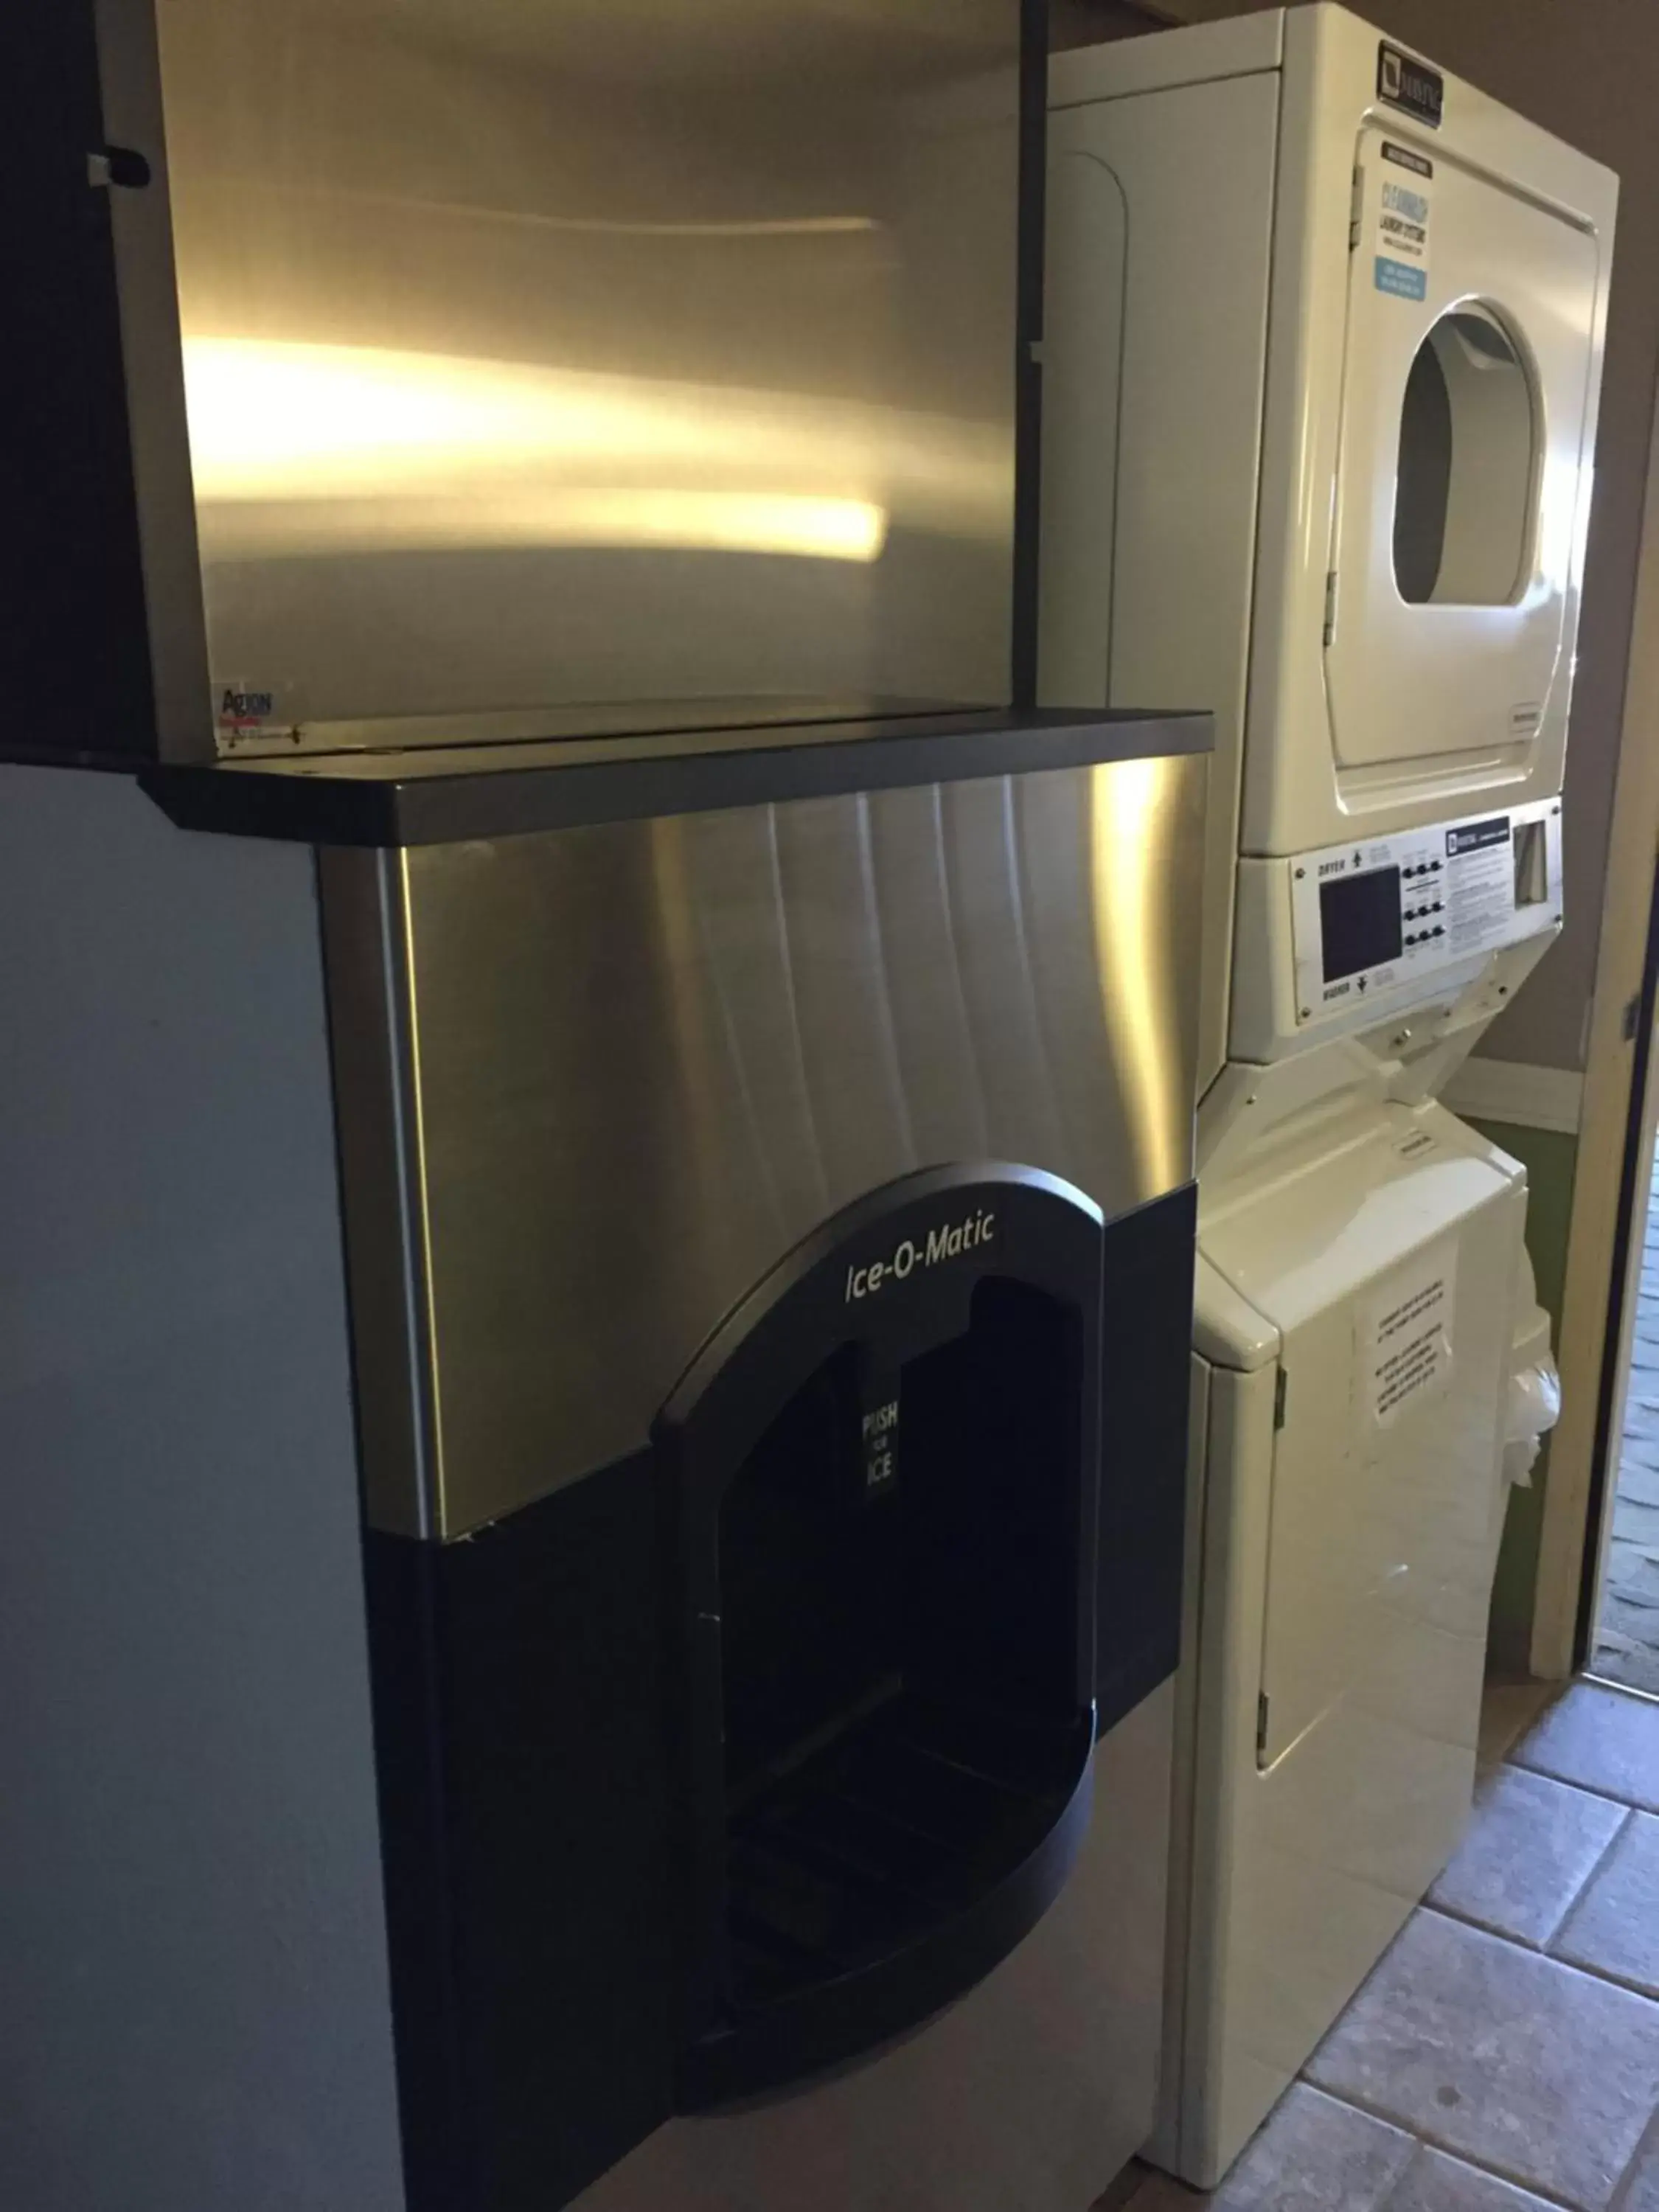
x: 1160, y: 232
x: 1227, y: 2078
x: 1292, y: 799
x: 1301, y: 422
x: 1085, y: 307
x: 198, y: 2007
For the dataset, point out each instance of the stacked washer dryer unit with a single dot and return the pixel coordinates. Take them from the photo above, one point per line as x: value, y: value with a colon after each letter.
x: 1321, y: 363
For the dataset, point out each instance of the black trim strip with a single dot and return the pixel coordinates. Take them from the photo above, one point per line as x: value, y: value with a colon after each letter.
x: 1028, y: 340
x: 496, y: 791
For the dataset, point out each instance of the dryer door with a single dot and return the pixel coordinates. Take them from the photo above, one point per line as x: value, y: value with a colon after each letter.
x: 1463, y: 476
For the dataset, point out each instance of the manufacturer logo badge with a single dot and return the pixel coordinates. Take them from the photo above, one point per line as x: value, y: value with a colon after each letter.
x: 1410, y: 85
x: 949, y: 1241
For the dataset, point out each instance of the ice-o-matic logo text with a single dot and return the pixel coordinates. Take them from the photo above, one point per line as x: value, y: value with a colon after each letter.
x: 948, y: 1242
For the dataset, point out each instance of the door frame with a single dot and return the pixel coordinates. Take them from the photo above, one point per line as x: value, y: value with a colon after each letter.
x: 1616, y: 1129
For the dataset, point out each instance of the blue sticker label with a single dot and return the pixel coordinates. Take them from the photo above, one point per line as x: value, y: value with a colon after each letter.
x: 1399, y: 278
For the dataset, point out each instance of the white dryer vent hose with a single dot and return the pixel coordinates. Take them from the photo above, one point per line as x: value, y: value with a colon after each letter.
x: 1534, y: 1392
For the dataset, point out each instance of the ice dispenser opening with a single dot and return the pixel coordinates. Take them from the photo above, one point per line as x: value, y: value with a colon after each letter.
x: 883, y: 1582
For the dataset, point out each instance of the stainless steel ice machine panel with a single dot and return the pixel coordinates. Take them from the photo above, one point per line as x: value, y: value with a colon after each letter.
x: 541, y: 355
x: 774, y: 1008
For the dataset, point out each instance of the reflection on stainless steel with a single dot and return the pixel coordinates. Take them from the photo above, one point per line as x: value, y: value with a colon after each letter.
x: 382, y: 449
x: 594, y: 352
x: 639, y: 1062
x: 1130, y: 835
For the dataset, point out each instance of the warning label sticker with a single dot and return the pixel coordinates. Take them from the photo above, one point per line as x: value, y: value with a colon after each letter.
x: 1403, y: 208
x: 1406, y: 1345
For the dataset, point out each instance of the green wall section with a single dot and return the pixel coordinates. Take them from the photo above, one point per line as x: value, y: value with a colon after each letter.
x: 1549, y: 1158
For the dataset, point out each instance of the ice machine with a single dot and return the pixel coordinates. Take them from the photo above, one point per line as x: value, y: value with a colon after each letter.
x: 595, y: 1359
x: 759, y: 1265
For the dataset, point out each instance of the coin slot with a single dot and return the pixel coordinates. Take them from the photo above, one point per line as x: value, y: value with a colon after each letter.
x: 1531, y: 865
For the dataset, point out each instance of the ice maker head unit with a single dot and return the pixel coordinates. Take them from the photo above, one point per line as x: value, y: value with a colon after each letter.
x: 475, y: 369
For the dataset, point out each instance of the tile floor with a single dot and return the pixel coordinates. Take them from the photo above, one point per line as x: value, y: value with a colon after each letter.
x: 1504, y: 2057
x: 1626, y: 1648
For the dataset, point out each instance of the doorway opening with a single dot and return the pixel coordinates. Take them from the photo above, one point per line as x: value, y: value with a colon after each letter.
x: 1624, y: 1646
x: 1618, y: 1635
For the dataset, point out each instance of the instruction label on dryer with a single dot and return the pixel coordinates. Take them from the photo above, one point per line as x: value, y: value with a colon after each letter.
x: 1406, y: 1345
x: 1403, y: 209
x: 1480, y: 882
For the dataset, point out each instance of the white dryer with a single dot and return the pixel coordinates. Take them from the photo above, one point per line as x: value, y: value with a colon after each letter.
x: 1322, y: 358
x: 1322, y: 364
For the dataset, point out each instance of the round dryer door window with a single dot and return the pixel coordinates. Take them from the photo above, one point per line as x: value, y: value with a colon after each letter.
x: 1473, y: 328
x: 1466, y: 483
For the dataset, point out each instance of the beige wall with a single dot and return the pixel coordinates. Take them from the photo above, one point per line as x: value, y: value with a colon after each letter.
x: 1587, y: 69
x: 1086, y: 22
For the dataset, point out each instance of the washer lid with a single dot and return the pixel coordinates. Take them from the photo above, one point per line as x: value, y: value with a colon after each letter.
x: 1463, y: 477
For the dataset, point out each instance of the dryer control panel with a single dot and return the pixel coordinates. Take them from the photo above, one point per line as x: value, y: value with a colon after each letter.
x: 1387, y: 914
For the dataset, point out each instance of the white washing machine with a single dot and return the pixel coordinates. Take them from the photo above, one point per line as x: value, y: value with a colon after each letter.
x: 1322, y: 358
x: 1358, y: 1289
